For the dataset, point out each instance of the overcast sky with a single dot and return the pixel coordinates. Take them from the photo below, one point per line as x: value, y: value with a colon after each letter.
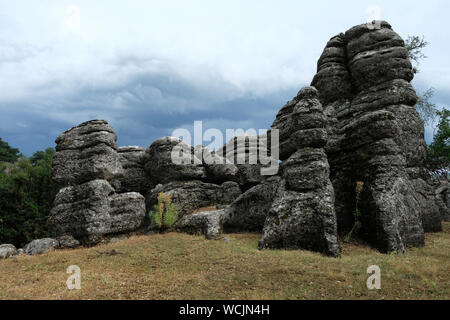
x: 150, y: 67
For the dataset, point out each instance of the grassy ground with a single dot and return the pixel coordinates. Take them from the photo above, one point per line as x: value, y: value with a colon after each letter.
x: 179, y: 266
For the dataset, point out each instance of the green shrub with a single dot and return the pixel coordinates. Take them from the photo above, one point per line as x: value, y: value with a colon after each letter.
x: 164, y: 213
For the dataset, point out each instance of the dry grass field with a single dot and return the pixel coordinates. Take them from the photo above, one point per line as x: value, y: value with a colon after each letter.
x: 179, y: 266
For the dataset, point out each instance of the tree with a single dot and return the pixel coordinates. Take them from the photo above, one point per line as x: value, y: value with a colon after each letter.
x: 7, y: 153
x: 42, y: 156
x: 428, y: 110
x: 415, y: 45
x: 26, y: 198
x: 438, y: 153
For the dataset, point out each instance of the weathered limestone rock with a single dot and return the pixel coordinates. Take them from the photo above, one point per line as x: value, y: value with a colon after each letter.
x: 41, y: 246
x: 68, y: 242
x: 249, y: 211
x: 192, y: 195
x: 302, y: 213
x: 376, y: 137
x: 218, y: 168
x: 160, y: 167
x: 243, y: 151
x: 443, y: 196
x: 93, y: 209
x: 134, y: 178
x: 86, y: 152
x: 7, y: 250
x: 209, y: 223
x: 93, y: 175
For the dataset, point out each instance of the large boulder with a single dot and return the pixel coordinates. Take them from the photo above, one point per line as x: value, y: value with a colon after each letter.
x: 249, y: 211
x: 41, y: 246
x: 161, y: 167
x: 86, y: 152
x: 93, y: 209
x: 7, y: 250
x: 244, y: 151
x: 134, y: 179
x: 208, y: 223
x: 190, y: 196
x: 67, y: 242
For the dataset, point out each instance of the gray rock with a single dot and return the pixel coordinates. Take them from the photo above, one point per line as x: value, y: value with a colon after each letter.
x: 243, y: 152
x: 249, y: 211
x: 86, y: 152
x: 92, y: 210
x: 134, y: 177
x: 160, y: 167
x: 68, y: 242
x: 208, y: 223
x: 302, y: 214
x: 41, y: 246
x: 7, y: 250
x: 443, y: 196
x: 304, y: 220
x: 376, y: 136
x: 192, y: 195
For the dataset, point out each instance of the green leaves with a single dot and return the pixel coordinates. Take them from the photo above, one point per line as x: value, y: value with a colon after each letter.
x: 164, y: 214
x: 438, y: 153
x: 26, y: 198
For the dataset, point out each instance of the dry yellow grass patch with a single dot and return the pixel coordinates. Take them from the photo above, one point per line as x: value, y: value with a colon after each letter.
x: 179, y: 266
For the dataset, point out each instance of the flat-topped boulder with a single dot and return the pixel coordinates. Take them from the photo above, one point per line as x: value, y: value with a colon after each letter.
x: 86, y: 152
x: 161, y: 168
x: 92, y: 210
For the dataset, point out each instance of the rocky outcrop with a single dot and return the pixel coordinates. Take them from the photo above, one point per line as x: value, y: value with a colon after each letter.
x: 86, y: 152
x: 7, y: 251
x: 190, y: 196
x: 161, y: 168
x: 376, y: 137
x: 41, y: 246
x: 134, y: 178
x: 93, y: 174
x: 245, y: 153
x: 249, y: 211
x: 208, y: 223
x: 302, y: 214
x: 92, y: 210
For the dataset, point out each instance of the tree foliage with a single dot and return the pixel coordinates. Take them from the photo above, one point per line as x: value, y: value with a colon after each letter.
x: 415, y: 45
x: 7, y: 153
x: 428, y: 110
x: 438, y: 153
x: 26, y: 198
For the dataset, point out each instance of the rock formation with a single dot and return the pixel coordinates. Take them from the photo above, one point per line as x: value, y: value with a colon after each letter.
x: 88, y: 168
x: 355, y: 125
x: 190, y: 196
x: 7, y: 251
x: 41, y: 246
x: 249, y: 211
x: 302, y: 213
x: 443, y: 196
x: 376, y: 136
x: 209, y: 223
